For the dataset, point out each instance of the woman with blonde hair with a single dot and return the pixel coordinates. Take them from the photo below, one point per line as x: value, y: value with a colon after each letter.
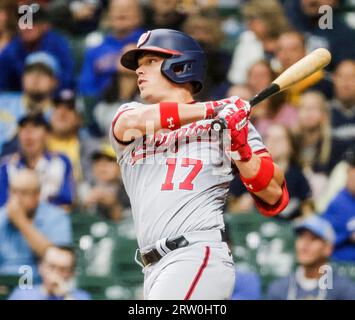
x: 265, y: 21
x: 319, y: 150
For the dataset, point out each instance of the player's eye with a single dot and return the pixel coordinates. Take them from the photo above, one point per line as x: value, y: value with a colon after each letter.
x: 152, y: 60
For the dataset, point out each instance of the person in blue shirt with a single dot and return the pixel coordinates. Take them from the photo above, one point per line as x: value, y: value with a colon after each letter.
x: 100, y: 61
x: 304, y: 16
x: 57, y: 269
x: 314, y: 278
x: 29, y: 40
x: 54, y: 169
x: 39, y: 81
x: 28, y: 226
x: 341, y: 214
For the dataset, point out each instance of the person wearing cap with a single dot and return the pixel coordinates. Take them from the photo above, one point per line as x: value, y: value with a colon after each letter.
x: 39, y: 81
x: 29, y: 226
x: 29, y: 40
x: 341, y: 214
x: 313, y: 278
x: 54, y: 169
x: 100, y: 61
x: 104, y: 194
x: 68, y: 136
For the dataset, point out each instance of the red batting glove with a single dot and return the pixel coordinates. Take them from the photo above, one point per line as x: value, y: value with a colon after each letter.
x: 238, y: 125
x: 213, y: 108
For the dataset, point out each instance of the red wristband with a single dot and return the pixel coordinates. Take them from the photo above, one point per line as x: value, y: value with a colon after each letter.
x: 169, y: 115
x: 262, y: 179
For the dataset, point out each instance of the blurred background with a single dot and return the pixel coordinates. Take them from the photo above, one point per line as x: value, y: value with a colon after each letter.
x: 64, y: 210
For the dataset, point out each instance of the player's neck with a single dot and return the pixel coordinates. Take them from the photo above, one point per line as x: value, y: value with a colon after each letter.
x: 180, y: 96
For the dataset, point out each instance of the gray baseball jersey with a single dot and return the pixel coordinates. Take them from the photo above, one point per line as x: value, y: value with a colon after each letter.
x: 177, y: 181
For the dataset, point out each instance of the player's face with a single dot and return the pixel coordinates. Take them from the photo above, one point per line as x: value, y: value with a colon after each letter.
x: 153, y: 86
x: 311, y: 250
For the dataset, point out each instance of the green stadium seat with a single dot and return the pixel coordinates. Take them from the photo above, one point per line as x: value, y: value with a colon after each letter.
x: 105, y: 254
x: 7, y: 284
x: 263, y: 245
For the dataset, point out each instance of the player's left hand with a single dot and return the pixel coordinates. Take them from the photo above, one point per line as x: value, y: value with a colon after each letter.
x: 238, y: 125
x: 216, y: 108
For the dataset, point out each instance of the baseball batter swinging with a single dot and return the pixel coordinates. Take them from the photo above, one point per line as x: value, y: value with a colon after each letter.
x: 175, y: 173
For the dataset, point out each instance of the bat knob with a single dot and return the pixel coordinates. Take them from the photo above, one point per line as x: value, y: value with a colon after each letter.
x: 218, y: 124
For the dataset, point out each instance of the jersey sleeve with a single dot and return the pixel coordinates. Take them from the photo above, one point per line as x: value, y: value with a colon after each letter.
x: 117, y: 145
x: 255, y: 141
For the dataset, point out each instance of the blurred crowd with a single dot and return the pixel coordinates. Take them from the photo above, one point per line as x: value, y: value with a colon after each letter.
x: 61, y: 83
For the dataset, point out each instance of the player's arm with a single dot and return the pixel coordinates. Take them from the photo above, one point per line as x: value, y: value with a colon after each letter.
x: 134, y: 123
x: 261, y: 176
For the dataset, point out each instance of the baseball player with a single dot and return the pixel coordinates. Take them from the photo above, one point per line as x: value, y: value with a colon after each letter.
x: 176, y: 175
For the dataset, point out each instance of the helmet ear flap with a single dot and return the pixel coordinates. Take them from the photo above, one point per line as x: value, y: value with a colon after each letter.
x: 184, y: 69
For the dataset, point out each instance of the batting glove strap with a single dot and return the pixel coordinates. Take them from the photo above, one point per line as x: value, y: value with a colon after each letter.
x: 263, y: 177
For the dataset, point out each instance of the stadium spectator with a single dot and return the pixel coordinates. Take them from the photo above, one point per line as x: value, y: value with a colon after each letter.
x: 38, y: 38
x: 265, y: 21
x: 67, y: 135
x: 206, y: 29
x: 104, y: 195
x: 28, y: 226
x: 121, y: 88
x: 77, y: 17
x: 241, y: 90
x: 57, y: 268
x: 100, y: 61
x: 341, y: 214
x: 54, y: 170
x: 319, y: 151
x: 283, y: 148
x: 338, y: 37
x: 291, y: 47
x: 39, y: 83
x: 314, y: 246
x: 247, y: 286
x: 342, y: 108
x: 163, y: 14
x: 274, y: 110
x: 8, y: 22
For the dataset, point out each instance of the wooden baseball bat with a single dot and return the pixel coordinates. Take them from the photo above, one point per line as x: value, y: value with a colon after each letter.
x: 300, y: 70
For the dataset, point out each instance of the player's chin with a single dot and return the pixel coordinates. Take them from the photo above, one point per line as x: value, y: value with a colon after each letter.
x: 148, y: 96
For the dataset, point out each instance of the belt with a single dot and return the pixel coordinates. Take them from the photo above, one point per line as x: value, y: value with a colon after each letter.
x: 154, y: 254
